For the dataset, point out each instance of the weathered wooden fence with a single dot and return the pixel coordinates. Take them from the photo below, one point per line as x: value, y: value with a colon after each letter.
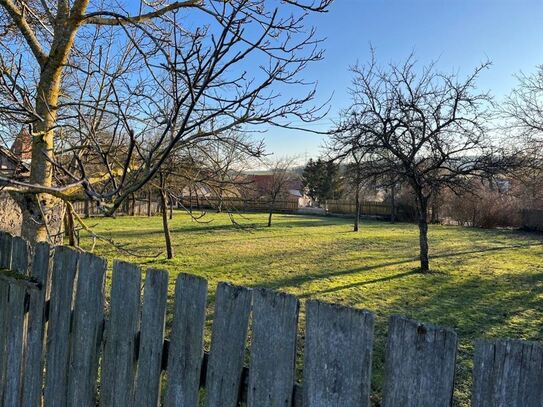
x: 62, y: 345
x: 239, y: 204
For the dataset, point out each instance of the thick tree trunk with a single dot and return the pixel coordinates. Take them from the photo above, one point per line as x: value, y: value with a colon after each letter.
x: 43, y: 214
x: 42, y: 218
x: 166, y: 226
x: 423, y: 235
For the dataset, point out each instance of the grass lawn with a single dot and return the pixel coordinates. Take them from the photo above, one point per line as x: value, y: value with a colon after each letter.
x: 485, y: 283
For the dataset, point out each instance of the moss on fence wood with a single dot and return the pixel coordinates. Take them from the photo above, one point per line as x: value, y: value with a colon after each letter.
x: 485, y: 283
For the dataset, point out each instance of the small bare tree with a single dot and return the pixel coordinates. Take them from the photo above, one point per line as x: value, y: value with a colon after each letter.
x: 276, y: 186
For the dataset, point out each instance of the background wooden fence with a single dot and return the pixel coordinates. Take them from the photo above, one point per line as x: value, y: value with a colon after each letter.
x: 60, y: 343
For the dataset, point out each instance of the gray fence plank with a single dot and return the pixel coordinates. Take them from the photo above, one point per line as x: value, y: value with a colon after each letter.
x: 5, y: 250
x: 337, y: 356
x: 15, y: 326
x: 186, y: 343
x: 419, y: 365
x: 87, y: 320
x: 273, y: 349
x: 5, y: 263
x: 147, y: 392
x: 119, y: 361
x: 58, y: 331
x: 508, y: 373
x: 33, y: 362
x: 232, y: 309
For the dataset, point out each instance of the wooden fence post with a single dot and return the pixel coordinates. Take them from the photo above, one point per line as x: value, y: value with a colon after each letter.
x: 508, y: 373
x: 5, y: 263
x: 186, y: 344
x: 33, y: 362
x: 337, y: 356
x: 14, y: 327
x: 420, y: 364
x: 147, y: 392
x: 58, y: 332
x: 87, y: 323
x: 119, y: 361
x: 273, y: 349
x: 223, y: 379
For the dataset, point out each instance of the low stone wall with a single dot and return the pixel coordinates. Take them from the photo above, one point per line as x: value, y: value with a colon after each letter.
x: 10, y: 215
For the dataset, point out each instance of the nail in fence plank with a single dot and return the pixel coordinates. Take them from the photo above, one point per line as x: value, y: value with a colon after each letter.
x: 273, y: 349
x: 337, y: 356
x: 58, y: 331
x: 508, y: 373
x: 186, y: 344
x: 33, y: 366
x: 5, y: 263
x: 87, y: 321
x: 147, y: 392
x: 419, y: 364
x: 119, y: 361
x: 15, y: 326
x: 232, y: 309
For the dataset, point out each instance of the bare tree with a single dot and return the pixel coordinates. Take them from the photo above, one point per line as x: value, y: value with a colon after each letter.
x: 276, y: 184
x: 523, y: 108
x: 87, y: 78
x: 419, y: 126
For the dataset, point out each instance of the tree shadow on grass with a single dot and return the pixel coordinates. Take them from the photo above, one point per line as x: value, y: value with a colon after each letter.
x: 507, y: 305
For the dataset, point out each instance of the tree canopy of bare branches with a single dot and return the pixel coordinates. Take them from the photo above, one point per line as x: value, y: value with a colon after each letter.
x: 110, y: 91
x: 418, y: 126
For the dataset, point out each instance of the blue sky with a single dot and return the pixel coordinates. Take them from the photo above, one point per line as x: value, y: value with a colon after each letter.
x: 460, y: 34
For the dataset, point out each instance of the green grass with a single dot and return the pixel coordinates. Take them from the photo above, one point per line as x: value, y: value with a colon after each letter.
x: 484, y: 283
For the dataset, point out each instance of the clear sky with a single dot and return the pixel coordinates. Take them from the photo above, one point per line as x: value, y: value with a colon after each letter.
x: 460, y: 34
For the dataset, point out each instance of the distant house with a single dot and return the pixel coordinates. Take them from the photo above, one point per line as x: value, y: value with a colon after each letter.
x: 15, y: 162
x: 257, y: 184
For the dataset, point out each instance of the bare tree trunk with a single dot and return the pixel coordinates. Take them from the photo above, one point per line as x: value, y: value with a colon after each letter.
x: 149, y: 203
x: 357, y: 215
x: 86, y: 208
x: 165, y: 225
x: 171, y: 207
x: 423, y: 234
x: 270, y: 217
x: 69, y: 227
x: 393, y: 204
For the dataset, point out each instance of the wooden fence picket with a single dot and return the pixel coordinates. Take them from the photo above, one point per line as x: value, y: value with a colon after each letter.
x: 419, y: 365
x: 58, y: 331
x: 225, y: 365
x: 5, y: 264
x: 87, y: 322
x: 14, y: 328
x: 33, y: 362
x: 147, y: 391
x: 273, y: 349
x: 186, y: 342
x: 119, y: 361
x: 337, y: 356
x: 508, y: 373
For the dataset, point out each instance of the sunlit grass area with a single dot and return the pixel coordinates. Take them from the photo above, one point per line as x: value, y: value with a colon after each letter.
x: 484, y: 283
